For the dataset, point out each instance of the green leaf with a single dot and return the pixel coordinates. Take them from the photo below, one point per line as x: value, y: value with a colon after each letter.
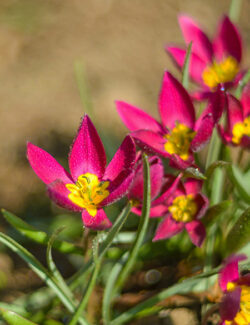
x: 41, y: 271
x: 13, y: 318
x: 185, y: 70
x: 141, y: 233
x: 194, y: 173
x: 38, y: 236
x: 234, y: 10
x: 80, y: 275
x: 82, y: 86
x: 241, y: 182
x: 242, y: 83
x: 240, y: 233
x: 214, y: 165
x: 215, y: 211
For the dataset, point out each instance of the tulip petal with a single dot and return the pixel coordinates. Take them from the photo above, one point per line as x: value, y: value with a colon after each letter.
x: 230, y: 304
x: 87, y: 154
x: 193, y: 186
x: 230, y: 271
x: 135, y: 119
x: 228, y: 41
x: 203, y: 133
x: 155, y: 211
x: 196, y: 231
x: 123, y: 160
x: 196, y: 66
x: 150, y: 141
x: 58, y: 193
x: 169, y: 188
x: 156, y: 176
x: 45, y: 166
x: 192, y: 33
x: 99, y: 222
x: 175, y: 104
x: 234, y: 112
x: 245, y: 100
x: 168, y: 228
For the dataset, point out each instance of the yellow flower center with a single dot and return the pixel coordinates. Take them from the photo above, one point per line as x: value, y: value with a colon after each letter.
x: 179, y: 140
x: 88, y: 192
x: 240, y: 129
x: 243, y: 315
x: 183, y: 208
x: 220, y: 72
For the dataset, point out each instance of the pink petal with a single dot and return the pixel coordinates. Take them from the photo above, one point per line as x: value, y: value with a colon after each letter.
x: 155, y: 211
x: 58, y: 193
x: 87, y: 154
x: 196, y: 231
x: 45, y: 166
x: 234, y: 112
x: 230, y: 304
x: 228, y: 41
x: 245, y: 100
x: 170, y: 187
x: 156, y: 176
x: 193, y: 186
x: 168, y: 228
x: 175, y: 104
x: 192, y: 33
x: 135, y: 119
x: 119, y: 187
x: 245, y: 142
x: 203, y: 133
x: 230, y: 271
x: 123, y: 160
x: 99, y: 222
x: 202, y: 203
x: 150, y: 141
x: 196, y: 67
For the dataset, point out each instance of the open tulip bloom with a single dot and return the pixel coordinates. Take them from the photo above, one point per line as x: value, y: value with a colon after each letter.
x: 179, y: 134
x: 212, y: 63
x: 235, y: 305
x: 89, y: 186
x: 237, y: 130
x: 185, y: 207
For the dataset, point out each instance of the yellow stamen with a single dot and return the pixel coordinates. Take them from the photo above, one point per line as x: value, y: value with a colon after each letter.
x: 240, y: 129
x: 220, y: 72
x: 243, y: 315
x: 183, y: 208
x: 179, y: 140
x: 88, y: 192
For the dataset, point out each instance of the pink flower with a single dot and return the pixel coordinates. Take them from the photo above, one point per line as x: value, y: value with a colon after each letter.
x: 89, y: 186
x: 237, y: 130
x: 213, y: 62
x: 135, y: 194
x: 178, y: 135
x: 186, y: 206
x: 235, y: 305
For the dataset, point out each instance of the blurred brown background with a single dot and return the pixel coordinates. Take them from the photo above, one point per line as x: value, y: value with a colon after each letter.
x: 121, y: 45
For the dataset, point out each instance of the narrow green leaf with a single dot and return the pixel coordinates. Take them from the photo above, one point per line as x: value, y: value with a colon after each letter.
x: 185, y: 70
x: 38, y: 236
x: 13, y: 318
x: 239, y: 181
x: 183, y: 287
x: 240, y: 233
x: 40, y: 270
x: 51, y: 265
x: 242, y: 83
x: 80, y: 275
x: 194, y: 173
x: 234, y: 10
x: 144, y: 220
x: 214, y: 165
x: 215, y: 211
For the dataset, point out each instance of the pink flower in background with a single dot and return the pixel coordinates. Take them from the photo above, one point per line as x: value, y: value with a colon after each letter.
x: 179, y: 134
x: 237, y: 131
x: 212, y: 63
x: 186, y: 206
x: 235, y: 305
x: 89, y: 186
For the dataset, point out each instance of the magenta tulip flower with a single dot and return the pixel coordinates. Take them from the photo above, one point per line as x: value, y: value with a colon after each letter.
x: 212, y: 63
x: 89, y: 186
x: 186, y: 206
x: 179, y: 134
x: 135, y: 194
x: 235, y: 305
x: 237, y: 131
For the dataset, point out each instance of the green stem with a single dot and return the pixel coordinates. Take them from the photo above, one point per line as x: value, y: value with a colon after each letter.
x: 82, y: 86
x: 90, y: 287
x: 234, y: 10
x: 185, y: 70
x: 141, y: 230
